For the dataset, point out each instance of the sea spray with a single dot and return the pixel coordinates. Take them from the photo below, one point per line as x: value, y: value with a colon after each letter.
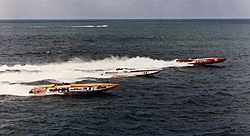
x: 14, y: 78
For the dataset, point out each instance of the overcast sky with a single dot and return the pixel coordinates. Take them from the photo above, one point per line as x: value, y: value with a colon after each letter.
x: 123, y: 9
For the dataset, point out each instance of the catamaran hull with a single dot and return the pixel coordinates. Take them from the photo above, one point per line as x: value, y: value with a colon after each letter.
x: 201, y: 61
x: 129, y: 73
x: 73, y: 88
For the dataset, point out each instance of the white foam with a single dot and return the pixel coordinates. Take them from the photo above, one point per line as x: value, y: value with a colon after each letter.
x: 71, y: 71
x: 18, y: 90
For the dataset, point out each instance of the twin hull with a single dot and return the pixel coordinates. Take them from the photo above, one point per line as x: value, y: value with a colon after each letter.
x: 72, y: 88
x: 201, y: 61
x: 128, y: 72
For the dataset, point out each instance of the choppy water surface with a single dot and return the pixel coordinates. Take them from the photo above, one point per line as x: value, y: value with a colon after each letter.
x: 180, y: 100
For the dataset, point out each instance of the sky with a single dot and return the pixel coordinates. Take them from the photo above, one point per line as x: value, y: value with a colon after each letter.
x: 124, y: 9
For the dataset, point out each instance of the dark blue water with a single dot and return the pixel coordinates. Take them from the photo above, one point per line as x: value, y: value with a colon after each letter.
x: 180, y: 100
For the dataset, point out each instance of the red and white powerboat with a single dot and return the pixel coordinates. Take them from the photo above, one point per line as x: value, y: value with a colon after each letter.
x: 201, y: 61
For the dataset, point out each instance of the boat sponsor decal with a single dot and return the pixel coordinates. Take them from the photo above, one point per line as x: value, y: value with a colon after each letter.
x: 59, y: 90
x: 88, y: 88
x: 145, y: 72
x: 101, y: 87
x: 111, y: 72
x: 201, y: 61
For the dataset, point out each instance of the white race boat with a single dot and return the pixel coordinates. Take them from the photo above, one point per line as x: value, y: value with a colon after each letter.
x: 126, y: 72
x: 66, y: 88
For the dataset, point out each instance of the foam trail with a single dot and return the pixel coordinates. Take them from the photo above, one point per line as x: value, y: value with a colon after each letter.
x: 71, y: 71
x: 18, y: 90
x: 77, y: 70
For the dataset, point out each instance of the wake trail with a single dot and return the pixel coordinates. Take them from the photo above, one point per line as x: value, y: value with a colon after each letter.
x: 13, y: 78
x: 17, y: 90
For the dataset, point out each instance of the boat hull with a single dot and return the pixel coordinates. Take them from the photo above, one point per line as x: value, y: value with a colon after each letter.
x: 72, y: 88
x: 129, y: 72
x: 201, y: 61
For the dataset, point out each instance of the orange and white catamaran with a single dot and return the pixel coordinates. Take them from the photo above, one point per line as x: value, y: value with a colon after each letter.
x: 67, y: 88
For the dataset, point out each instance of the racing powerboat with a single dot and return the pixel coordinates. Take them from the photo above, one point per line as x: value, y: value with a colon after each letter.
x: 126, y: 72
x: 201, y: 61
x: 67, y: 88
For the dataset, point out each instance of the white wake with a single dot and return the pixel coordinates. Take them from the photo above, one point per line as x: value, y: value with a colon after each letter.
x: 13, y: 78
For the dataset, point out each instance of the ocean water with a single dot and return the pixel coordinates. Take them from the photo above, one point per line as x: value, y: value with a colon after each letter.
x: 180, y: 100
